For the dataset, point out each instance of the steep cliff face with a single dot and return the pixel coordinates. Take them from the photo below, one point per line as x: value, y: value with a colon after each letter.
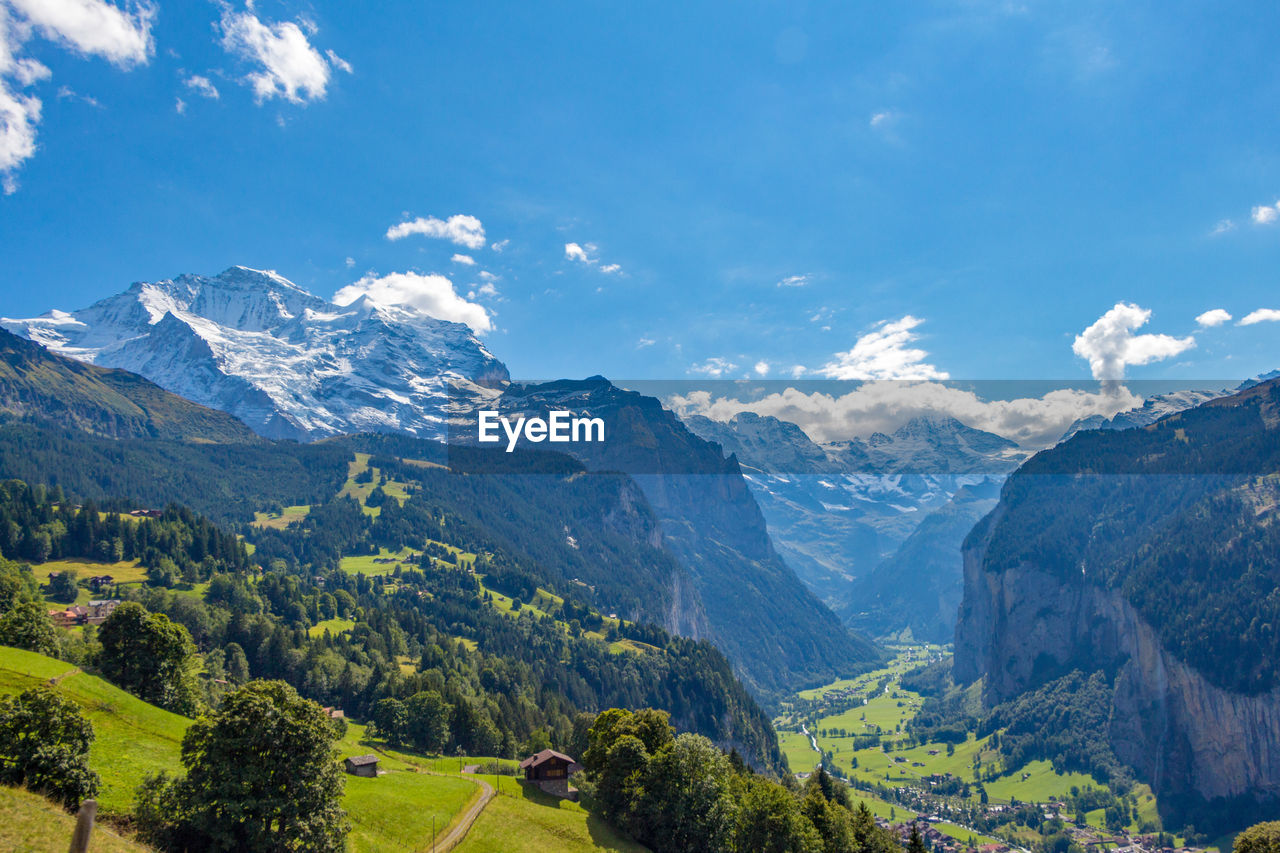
x: 1151, y: 555
x: 732, y: 587
x: 1023, y: 626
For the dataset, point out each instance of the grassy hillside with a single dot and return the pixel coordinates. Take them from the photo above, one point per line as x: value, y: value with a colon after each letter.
x: 534, y: 822
x: 394, y: 812
x: 31, y: 824
x: 133, y: 738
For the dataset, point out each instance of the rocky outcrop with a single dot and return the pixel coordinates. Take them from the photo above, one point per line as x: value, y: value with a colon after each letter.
x: 1022, y: 626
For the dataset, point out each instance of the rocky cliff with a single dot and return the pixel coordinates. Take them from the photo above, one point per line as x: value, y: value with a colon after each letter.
x: 1148, y: 554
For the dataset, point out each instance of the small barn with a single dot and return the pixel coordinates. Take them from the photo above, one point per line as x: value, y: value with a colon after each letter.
x: 550, y: 771
x: 361, y: 765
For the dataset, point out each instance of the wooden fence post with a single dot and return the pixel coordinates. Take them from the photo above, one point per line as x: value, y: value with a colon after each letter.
x: 84, y: 826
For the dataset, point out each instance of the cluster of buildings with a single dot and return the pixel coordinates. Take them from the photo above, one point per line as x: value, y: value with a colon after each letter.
x: 94, y: 613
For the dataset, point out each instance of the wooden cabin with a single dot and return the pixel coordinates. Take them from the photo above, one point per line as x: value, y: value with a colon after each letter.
x: 362, y: 765
x: 550, y: 771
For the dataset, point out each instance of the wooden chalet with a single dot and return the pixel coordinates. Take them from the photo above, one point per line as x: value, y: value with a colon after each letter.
x: 550, y: 771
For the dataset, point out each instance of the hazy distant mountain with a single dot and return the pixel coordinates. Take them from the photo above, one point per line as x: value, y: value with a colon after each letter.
x: 836, y: 511
x: 287, y: 363
x: 1152, y: 409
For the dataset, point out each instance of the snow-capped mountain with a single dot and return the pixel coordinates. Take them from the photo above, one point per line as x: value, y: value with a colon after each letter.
x: 1153, y: 408
x: 287, y: 363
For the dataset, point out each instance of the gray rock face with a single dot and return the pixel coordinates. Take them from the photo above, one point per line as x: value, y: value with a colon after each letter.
x: 1177, y: 730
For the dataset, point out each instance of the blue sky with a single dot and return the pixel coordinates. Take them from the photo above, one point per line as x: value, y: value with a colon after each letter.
x: 677, y: 190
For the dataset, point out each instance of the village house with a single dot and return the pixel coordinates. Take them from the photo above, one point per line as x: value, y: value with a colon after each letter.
x: 362, y: 765
x: 100, y: 609
x: 550, y: 771
x: 77, y: 614
x: 97, y: 582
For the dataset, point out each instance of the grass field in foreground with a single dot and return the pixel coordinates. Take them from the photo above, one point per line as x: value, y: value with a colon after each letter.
x: 132, y: 737
x: 396, y: 811
x: 31, y: 824
x: 535, y: 822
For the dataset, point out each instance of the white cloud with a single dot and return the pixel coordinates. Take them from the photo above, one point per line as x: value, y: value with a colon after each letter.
x: 202, y: 86
x: 465, y: 260
x: 460, y: 229
x: 1033, y: 422
x: 762, y: 368
x: 488, y: 290
x: 645, y: 342
x: 500, y: 245
x: 338, y: 62
x: 431, y: 294
x: 1265, y: 214
x: 884, y: 354
x: 1110, y: 346
x: 795, y: 280
x: 1262, y: 315
x: 290, y: 67
x: 350, y: 262
x: 1214, y: 317
x: 585, y: 253
x: 1223, y: 226
x: 714, y: 367
x: 88, y: 27
x: 798, y: 370
x: 94, y: 27
x: 882, y: 119
x: 180, y: 105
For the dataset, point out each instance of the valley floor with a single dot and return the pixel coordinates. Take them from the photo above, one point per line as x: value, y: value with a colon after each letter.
x: 856, y: 729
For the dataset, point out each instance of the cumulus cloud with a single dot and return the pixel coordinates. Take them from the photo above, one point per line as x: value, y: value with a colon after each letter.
x: 465, y: 260
x: 795, y: 280
x: 201, y: 86
x: 1214, y: 317
x: 762, y: 368
x: 714, y: 367
x: 1262, y: 315
x: 87, y: 27
x: 1265, y: 214
x: 288, y: 65
x: 488, y: 290
x: 884, y: 354
x: 586, y: 254
x: 431, y: 294
x: 1109, y: 345
x: 93, y: 27
x: 460, y: 229
x: 1033, y: 422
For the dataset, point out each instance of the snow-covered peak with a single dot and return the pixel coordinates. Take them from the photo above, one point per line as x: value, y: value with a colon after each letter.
x: 288, y: 363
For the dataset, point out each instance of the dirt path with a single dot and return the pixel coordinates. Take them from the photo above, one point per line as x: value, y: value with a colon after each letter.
x: 454, y: 836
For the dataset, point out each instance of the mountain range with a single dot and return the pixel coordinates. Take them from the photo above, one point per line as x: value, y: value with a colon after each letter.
x: 286, y: 363
x: 293, y: 366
